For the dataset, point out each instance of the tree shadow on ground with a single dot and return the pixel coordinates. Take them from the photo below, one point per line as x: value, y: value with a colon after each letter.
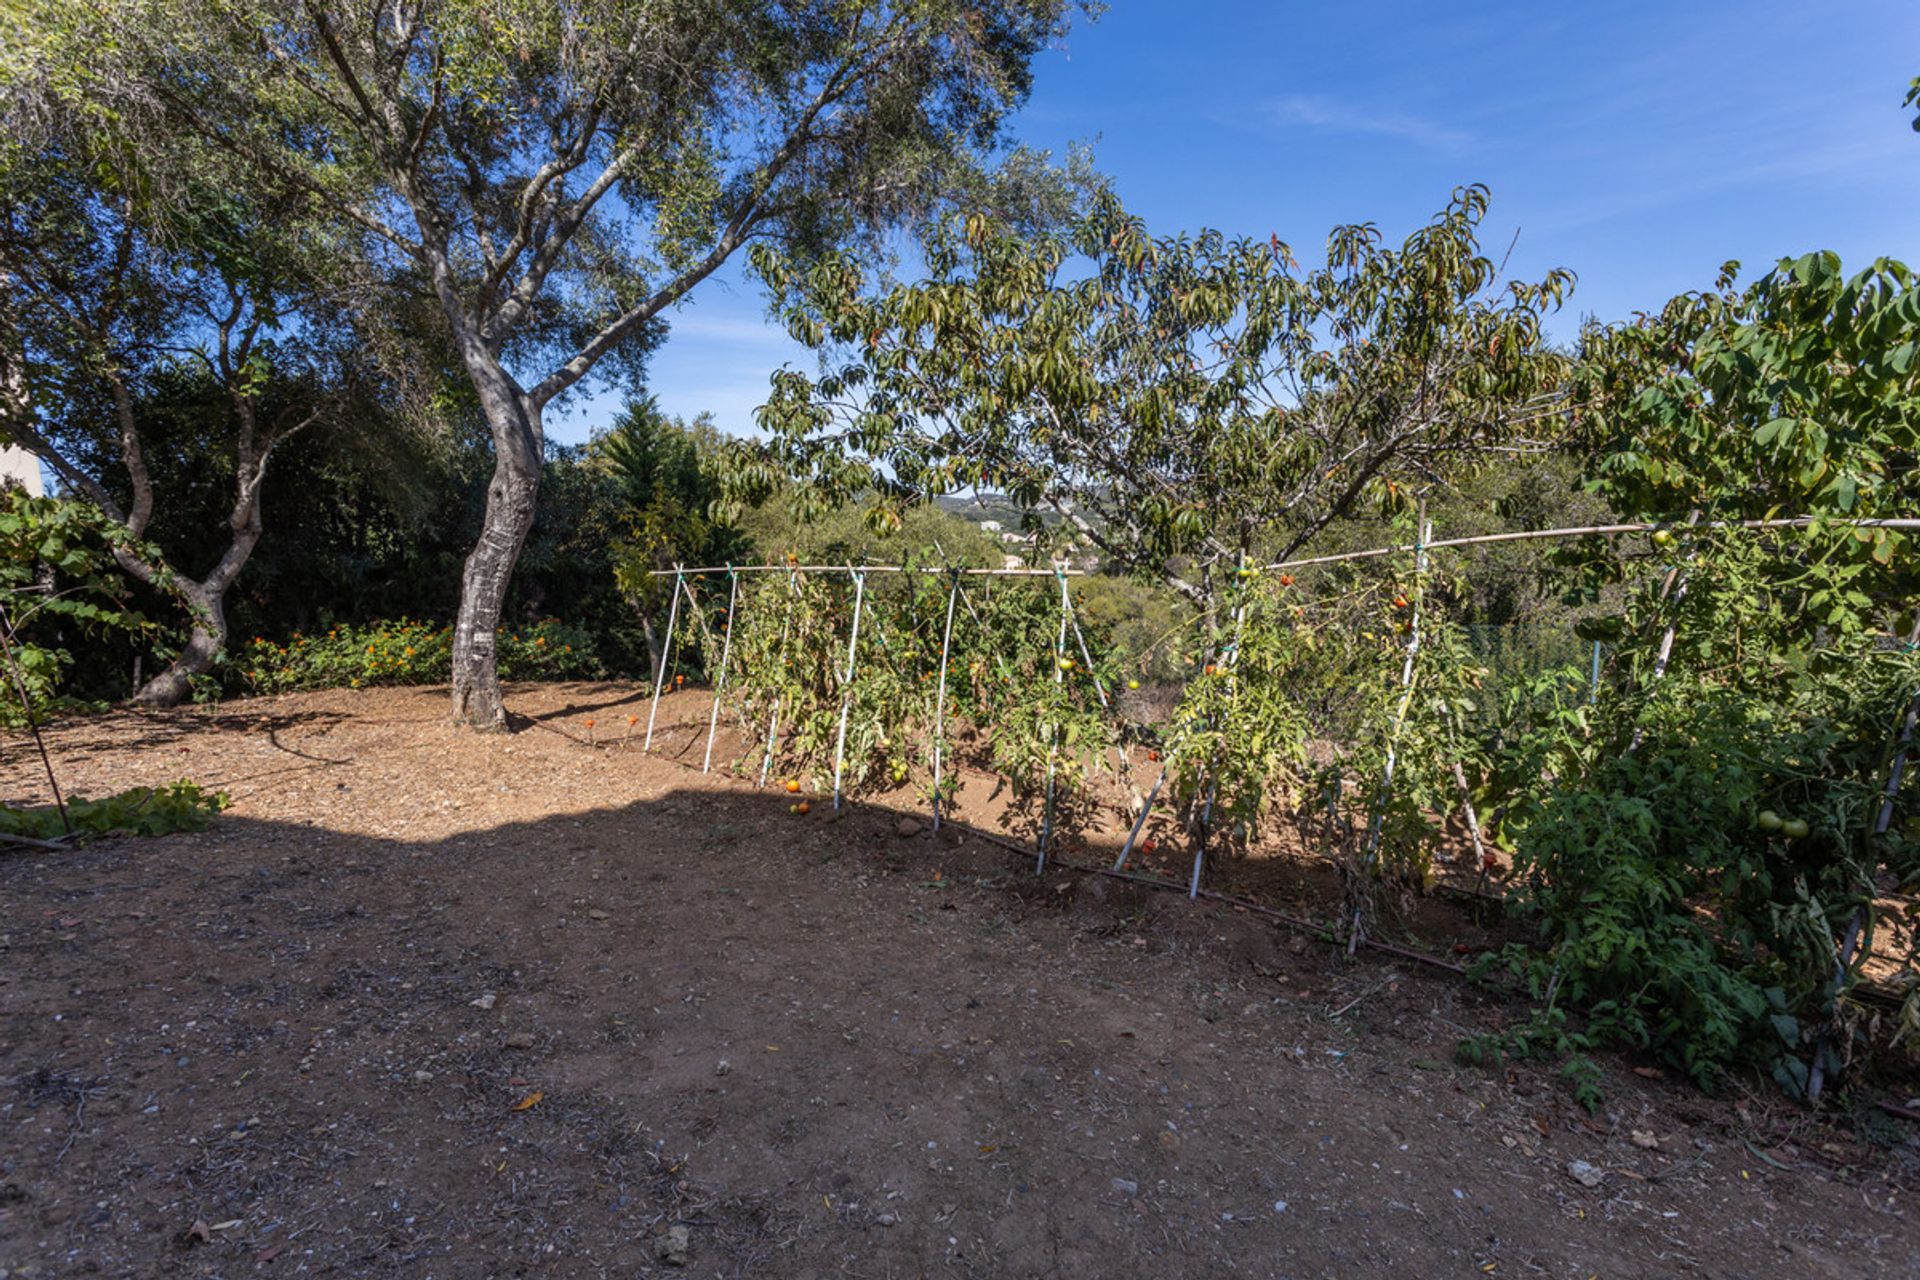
x: 822, y: 1045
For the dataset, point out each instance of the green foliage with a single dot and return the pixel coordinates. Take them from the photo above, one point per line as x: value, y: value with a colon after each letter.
x: 141, y: 811
x: 1667, y: 908
x: 662, y: 479
x: 1029, y: 716
x: 1178, y: 401
x: 1751, y: 682
x: 56, y: 582
x: 1800, y: 395
x: 406, y: 652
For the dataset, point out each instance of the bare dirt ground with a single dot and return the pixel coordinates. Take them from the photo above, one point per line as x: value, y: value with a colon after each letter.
x: 428, y: 1004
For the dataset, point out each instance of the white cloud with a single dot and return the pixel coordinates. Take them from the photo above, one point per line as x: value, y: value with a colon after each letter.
x: 1329, y: 116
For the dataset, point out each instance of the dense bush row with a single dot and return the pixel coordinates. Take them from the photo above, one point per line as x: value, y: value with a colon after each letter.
x: 405, y: 652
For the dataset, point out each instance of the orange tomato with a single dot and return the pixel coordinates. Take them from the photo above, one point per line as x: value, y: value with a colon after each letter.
x: 793, y: 785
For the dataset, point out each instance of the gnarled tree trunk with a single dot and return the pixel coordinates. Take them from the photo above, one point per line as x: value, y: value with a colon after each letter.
x: 205, y: 599
x: 206, y: 637
x: 518, y: 449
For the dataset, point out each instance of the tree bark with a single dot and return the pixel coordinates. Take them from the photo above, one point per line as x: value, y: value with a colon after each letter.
x: 206, y: 599
x: 518, y: 449
x: 206, y: 637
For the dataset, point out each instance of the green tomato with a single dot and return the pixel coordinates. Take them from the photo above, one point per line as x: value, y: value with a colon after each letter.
x: 1662, y: 538
x: 1794, y: 829
x: 1768, y: 820
x: 1133, y: 684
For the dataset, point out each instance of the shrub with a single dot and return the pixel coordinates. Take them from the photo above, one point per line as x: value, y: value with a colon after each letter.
x: 405, y: 651
x: 143, y: 811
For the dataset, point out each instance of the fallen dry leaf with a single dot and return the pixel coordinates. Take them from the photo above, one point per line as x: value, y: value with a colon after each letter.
x: 531, y: 1100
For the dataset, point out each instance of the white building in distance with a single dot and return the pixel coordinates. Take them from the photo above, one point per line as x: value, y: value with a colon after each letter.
x: 17, y: 466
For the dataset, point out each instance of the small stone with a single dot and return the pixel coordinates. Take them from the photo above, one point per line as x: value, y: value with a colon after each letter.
x: 519, y: 1040
x: 485, y: 1001
x: 1126, y: 1186
x: 886, y: 1220
x: 421, y: 1077
x: 1279, y: 1206
x: 907, y: 828
x: 598, y: 915
x: 721, y: 1067
x: 1644, y: 1140
x: 674, y: 1247
x: 1585, y: 1174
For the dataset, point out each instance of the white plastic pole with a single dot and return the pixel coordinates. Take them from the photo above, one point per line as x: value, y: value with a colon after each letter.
x: 1233, y: 691
x: 1053, y: 743
x: 1375, y: 828
x: 726, y: 651
x: 846, y: 695
x: 773, y: 722
x: 940, y: 700
x: 666, y: 654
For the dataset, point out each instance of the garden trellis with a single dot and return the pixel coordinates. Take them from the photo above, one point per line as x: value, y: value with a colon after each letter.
x: 848, y: 673
x: 954, y: 609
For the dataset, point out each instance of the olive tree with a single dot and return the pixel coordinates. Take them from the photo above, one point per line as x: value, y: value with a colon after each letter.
x: 1179, y: 402
x: 556, y: 177
x: 115, y: 272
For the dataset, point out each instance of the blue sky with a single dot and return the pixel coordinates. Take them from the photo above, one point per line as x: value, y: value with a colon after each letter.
x: 1639, y: 144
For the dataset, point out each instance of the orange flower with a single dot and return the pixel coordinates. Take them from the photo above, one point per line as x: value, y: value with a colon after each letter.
x: 540, y: 640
